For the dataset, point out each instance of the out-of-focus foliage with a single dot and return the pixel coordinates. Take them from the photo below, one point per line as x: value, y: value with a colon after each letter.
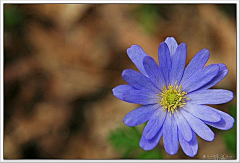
x: 230, y: 136
x: 148, y: 16
x: 13, y: 17
x: 229, y: 9
x: 126, y: 141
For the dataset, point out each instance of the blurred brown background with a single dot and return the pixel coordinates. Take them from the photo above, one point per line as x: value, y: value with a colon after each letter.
x: 61, y: 62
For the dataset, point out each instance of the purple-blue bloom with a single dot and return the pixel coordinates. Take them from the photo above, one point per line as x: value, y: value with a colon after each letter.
x: 173, y: 97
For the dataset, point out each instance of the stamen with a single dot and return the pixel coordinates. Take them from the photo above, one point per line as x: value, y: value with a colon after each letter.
x: 172, y: 98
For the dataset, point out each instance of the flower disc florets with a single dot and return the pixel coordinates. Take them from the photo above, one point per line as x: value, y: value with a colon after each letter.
x: 172, y: 97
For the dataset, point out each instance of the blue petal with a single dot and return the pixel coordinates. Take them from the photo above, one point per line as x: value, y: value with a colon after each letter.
x: 152, y: 143
x: 198, y: 126
x: 138, y: 80
x: 197, y: 63
x: 211, y: 96
x: 183, y: 126
x: 200, y: 78
x: 164, y: 60
x: 140, y: 115
x: 154, y: 72
x: 189, y: 148
x: 223, y: 71
x: 142, y: 97
x: 202, y: 112
x: 154, y: 124
x: 170, y: 135
x: 225, y: 123
x: 119, y: 90
x: 178, y: 63
x: 136, y: 54
x: 172, y: 45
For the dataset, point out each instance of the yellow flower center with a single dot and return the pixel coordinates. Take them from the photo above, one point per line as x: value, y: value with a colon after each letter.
x: 172, y: 97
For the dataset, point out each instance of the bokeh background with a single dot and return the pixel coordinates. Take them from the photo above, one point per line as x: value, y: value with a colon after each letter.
x: 61, y: 62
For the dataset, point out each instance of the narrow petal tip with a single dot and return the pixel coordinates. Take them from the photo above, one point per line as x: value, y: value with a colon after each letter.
x: 126, y: 122
x: 124, y: 72
x: 170, y: 40
x: 171, y: 152
x: 222, y: 66
x: 132, y: 47
x: 163, y: 44
x: 231, y: 95
x: 205, y: 51
x: 144, y: 147
x: 183, y: 45
x: 232, y: 121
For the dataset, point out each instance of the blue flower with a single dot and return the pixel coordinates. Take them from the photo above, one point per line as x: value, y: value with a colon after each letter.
x: 173, y: 97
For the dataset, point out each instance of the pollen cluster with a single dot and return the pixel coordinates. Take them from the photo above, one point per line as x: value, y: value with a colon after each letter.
x: 172, y: 97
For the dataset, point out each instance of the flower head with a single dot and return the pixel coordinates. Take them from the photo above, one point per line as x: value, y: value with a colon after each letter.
x: 174, y: 98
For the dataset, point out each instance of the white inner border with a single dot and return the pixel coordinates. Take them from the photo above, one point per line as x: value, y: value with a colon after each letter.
x: 124, y: 1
